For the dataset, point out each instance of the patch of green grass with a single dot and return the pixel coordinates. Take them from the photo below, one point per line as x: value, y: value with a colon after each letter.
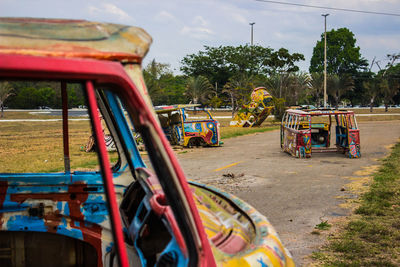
x: 324, y: 225
x: 229, y: 132
x: 318, y: 255
x: 372, y: 236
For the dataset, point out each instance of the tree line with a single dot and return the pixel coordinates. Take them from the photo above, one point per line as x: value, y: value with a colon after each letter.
x: 226, y: 75
x: 34, y: 94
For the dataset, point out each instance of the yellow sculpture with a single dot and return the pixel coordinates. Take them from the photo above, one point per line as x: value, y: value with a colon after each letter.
x: 256, y: 111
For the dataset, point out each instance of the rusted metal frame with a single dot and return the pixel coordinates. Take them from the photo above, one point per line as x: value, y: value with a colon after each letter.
x: 181, y: 114
x: 282, y: 128
x: 355, y: 121
x: 64, y: 97
x: 309, y: 131
x: 330, y: 131
x: 113, y: 208
x: 348, y: 133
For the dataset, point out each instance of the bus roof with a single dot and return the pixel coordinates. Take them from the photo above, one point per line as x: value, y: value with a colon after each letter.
x: 166, y: 109
x: 318, y: 112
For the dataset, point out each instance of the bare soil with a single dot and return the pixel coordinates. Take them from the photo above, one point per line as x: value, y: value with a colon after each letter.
x: 295, y: 194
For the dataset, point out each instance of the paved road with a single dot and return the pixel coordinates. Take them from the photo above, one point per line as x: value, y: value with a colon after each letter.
x: 295, y: 194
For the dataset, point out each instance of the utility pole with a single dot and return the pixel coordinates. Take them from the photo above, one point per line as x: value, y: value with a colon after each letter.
x: 251, y: 24
x: 325, y: 97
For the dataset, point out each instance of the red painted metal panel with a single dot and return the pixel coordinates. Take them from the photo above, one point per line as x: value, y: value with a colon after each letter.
x: 64, y: 97
x: 116, y: 223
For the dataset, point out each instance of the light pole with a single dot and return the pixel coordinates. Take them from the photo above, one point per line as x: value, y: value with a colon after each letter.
x: 251, y: 24
x: 325, y: 98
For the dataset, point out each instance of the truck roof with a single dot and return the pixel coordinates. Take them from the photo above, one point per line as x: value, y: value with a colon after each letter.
x: 73, y: 38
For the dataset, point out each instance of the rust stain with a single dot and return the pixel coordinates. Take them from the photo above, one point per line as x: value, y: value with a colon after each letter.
x: 75, y: 197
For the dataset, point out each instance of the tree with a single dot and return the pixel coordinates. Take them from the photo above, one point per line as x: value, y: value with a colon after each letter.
x: 279, y: 108
x: 5, y: 91
x: 372, y: 90
x: 239, y: 89
x: 198, y: 89
x: 343, y: 56
x: 173, y: 89
x: 219, y: 64
x: 358, y: 96
x: 278, y: 83
x: 391, y: 80
x: 153, y: 74
x: 293, y: 87
x: 317, y: 87
x: 338, y: 85
x: 299, y: 87
x: 215, y: 102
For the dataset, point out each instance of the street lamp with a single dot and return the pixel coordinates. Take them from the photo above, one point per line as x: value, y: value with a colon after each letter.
x: 251, y: 24
x: 325, y: 98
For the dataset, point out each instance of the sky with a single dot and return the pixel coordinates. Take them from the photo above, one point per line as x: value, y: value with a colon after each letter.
x: 183, y: 27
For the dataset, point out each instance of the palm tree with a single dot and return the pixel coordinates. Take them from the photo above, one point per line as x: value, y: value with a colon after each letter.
x: 290, y: 86
x: 299, y: 86
x: 372, y: 90
x: 153, y: 74
x: 390, y: 81
x: 198, y: 89
x: 388, y: 91
x: 279, y: 84
x: 317, y: 86
x: 338, y: 85
x: 239, y: 89
x: 5, y: 92
x: 274, y: 84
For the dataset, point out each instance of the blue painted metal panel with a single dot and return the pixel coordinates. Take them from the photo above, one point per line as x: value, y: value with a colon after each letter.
x: 125, y: 131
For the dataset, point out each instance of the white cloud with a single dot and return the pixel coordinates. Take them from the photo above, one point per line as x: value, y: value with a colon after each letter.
x: 165, y: 16
x: 110, y: 9
x: 200, y: 29
x: 197, y: 32
x: 200, y: 20
x: 239, y: 18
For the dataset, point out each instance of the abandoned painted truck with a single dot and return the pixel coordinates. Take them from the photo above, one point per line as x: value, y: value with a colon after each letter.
x: 307, y: 131
x: 182, y: 130
x: 61, y: 206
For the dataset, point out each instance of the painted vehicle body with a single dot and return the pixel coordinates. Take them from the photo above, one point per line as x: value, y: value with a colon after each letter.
x: 124, y: 212
x: 184, y: 131
x: 304, y: 132
x: 256, y: 112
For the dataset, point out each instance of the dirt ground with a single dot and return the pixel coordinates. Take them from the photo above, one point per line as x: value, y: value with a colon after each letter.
x: 295, y: 194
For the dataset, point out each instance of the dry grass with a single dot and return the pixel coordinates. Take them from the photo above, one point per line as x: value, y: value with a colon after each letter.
x: 375, y: 110
x: 387, y: 117
x: 37, y: 115
x: 229, y: 132
x: 37, y: 147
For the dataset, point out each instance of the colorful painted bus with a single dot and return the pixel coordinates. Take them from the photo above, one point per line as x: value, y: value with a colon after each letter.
x: 307, y: 131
